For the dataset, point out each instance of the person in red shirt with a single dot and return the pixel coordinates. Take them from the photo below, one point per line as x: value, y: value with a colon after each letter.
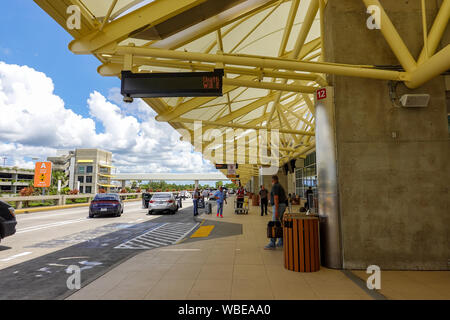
x: 240, y: 197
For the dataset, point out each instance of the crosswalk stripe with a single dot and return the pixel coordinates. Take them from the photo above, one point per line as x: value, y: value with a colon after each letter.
x: 163, y: 235
x: 166, y: 235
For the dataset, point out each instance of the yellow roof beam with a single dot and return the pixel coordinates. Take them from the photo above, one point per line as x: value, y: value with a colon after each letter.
x: 120, y: 29
x: 266, y: 62
x: 193, y: 104
x: 244, y: 126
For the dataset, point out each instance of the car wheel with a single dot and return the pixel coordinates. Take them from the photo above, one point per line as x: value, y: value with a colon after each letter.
x: 150, y: 213
x: 91, y: 216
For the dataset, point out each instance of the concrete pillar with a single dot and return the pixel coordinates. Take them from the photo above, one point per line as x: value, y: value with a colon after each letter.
x: 196, y: 183
x: 124, y: 184
x: 389, y: 184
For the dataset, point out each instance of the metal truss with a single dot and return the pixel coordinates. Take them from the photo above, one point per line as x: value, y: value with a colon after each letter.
x: 271, y: 51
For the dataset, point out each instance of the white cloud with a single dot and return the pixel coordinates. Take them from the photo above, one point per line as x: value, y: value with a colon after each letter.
x: 34, y: 122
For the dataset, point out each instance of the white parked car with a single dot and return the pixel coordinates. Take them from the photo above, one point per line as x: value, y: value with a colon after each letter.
x: 163, y: 202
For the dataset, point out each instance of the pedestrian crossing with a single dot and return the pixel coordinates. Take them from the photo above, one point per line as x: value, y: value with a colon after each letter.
x: 165, y: 235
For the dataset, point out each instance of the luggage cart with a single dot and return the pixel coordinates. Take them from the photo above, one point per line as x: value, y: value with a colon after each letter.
x: 244, y: 209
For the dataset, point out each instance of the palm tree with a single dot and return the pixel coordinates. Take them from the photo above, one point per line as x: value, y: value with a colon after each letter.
x: 59, y: 175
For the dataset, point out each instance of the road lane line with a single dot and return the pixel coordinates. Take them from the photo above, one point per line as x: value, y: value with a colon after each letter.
x: 46, y: 226
x: 16, y: 256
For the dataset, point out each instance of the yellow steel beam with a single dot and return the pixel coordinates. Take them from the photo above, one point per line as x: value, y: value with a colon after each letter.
x: 192, y: 104
x: 268, y: 62
x: 436, y: 32
x: 268, y: 85
x: 431, y: 68
x: 256, y: 26
x: 120, y: 29
x: 392, y: 37
x: 240, y: 11
x: 242, y: 126
x: 289, y: 23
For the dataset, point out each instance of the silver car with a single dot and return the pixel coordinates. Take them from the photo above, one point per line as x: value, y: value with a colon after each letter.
x: 163, y: 202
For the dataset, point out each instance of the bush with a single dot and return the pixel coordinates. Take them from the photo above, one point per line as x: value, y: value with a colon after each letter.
x: 26, y: 192
x: 123, y: 190
x: 74, y: 192
x: 101, y: 191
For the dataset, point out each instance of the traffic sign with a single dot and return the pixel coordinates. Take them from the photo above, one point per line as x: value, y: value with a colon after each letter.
x: 43, y: 174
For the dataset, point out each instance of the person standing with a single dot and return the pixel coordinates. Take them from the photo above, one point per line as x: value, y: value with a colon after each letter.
x: 220, y: 198
x: 307, y: 193
x: 263, y: 200
x: 195, y: 199
x: 205, y: 195
x: 240, y: 197
x: 278, y: 202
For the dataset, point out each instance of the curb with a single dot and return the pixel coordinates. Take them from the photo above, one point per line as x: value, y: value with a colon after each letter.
x: 68, y: 206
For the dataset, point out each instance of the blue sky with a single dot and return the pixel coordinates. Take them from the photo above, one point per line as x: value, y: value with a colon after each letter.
x: 29, y: 36
x: 51, y: 99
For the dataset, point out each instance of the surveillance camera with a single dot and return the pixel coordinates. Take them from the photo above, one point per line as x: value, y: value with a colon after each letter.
x: 128, y: 99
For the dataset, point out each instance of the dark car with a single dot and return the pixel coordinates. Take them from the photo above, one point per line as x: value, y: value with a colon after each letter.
x: 106, y: 204
x: 7, y: 220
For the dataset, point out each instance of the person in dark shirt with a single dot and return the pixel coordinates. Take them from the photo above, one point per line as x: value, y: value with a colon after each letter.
x: 307, y: 193
x: 195, y: 199
x: 263, y: 200
x: 278, y: 202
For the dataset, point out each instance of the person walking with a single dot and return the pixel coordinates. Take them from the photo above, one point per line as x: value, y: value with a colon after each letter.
x: 263, y: 200
x: 220, y: 198
x: 195, y: 199
x: 240, y: 194
x: 278, y: 202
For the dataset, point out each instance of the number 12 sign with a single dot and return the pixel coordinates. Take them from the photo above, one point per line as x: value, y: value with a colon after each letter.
x: 322, y: 94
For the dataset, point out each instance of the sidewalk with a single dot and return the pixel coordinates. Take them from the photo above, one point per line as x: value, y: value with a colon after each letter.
x: 235, y: 267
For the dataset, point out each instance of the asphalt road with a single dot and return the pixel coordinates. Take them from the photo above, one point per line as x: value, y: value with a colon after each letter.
x: 34, y: 261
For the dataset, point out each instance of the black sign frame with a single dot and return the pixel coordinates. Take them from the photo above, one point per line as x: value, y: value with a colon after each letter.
x: 169, y: 85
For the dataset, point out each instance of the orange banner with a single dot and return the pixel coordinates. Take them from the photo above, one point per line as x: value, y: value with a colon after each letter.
x: 43, y: 175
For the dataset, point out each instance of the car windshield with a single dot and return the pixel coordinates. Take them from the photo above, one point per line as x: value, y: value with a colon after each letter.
x: 106, y: 197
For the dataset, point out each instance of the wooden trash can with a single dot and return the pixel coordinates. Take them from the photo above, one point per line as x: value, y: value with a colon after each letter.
x: 255, y: 200
x: 301, y: 243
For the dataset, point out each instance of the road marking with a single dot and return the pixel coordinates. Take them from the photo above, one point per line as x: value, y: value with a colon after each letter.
x: 164, y: 235
x: 16, y: 256
x: 50, y: 225
x: 181, y: 250
x: 203, y: 232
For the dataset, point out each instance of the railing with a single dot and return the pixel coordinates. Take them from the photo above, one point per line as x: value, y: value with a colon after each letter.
x: 60, y: 200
